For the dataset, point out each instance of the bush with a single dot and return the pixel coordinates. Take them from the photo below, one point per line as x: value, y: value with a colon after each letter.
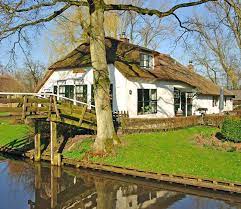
x: 231, y: 129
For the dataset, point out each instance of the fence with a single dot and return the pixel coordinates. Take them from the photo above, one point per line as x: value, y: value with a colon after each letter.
x: 136, y: 125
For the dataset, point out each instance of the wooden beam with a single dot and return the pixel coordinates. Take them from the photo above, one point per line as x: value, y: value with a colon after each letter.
x: 74, y: 123
x: 55, y: 107
x: 50, y: 105
x: 24, y: 107
x: 54, y: 187
x: 82, y: 114
x: 55, y: 156
x: 37, y: 142
x: 76, y: 112
x: 20, y: 109
x: 38, y: 177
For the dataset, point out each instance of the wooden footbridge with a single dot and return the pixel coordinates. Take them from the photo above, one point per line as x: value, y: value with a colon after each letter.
x: 52, y: 108
x: 49, y: 106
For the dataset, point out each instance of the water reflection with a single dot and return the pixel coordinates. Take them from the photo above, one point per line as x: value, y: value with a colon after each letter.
x: 39, y: 186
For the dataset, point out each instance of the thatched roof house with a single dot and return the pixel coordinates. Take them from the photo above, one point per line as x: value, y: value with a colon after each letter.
x: 126, y: 57
x: 136, y: 72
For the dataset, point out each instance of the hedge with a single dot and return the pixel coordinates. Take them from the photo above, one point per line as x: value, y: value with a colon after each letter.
x: 231, y: 129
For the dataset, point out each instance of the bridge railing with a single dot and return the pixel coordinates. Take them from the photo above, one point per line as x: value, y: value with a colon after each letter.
x: 44, y: 95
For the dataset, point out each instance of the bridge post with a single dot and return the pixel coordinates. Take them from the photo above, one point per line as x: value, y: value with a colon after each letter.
x: 37, y: 142
x: 55, y: 157
x: 55, y: 174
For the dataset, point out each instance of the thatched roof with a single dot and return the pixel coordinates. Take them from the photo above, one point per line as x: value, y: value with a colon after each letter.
x: 237, y: 94
x: 9, y: 84
x: 126, y: 58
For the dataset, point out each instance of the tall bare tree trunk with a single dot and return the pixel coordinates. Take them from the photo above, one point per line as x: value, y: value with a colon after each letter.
x: 106, y: 136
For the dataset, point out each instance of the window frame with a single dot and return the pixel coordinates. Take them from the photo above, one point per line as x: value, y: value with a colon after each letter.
x: 146, y: 61
x: 83, y: 94
x: 215, y: 101
x: 152, y: 102
x: 62, y: 94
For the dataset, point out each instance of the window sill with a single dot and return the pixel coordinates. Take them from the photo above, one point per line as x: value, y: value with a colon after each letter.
x: 146, y: 68
x: 147, y: 113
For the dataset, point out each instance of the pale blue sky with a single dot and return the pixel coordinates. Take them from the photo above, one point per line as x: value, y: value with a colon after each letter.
x: 39, y: 44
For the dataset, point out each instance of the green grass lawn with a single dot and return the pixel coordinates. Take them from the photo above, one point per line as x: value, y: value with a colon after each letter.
x: 172, y: 152
x: 12, y: 135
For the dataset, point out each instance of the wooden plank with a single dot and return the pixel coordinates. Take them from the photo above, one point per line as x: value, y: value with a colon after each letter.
x: 24, y: 107
x: 37, y: 116
x: 55, y: 107
x: 37, y: 142
x: 78, y: 116
x: 76, y: 112
x: 20, y: 109
x: 50, y: 105
x: 20, y: 100
x: 53, y: 142
x: 74, y: 123
x: 82, y: 115
x: 11, y: 100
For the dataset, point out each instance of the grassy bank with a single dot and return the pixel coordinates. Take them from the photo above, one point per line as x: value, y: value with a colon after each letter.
x: 172, y: 152
x: 12, y: 135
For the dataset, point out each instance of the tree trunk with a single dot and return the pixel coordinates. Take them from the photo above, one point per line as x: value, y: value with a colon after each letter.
x: 106, y: 136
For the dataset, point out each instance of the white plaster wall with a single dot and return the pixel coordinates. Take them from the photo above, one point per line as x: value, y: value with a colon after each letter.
x: 205, y: 101
x: 119, y: 90
x: 124, y: 101
x: 229, y: 104
x: 165, y: 99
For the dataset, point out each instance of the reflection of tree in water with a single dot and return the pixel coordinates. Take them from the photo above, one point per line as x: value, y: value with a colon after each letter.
x: 21, y: 173
x: 81, y: 189
x: 76, y: 189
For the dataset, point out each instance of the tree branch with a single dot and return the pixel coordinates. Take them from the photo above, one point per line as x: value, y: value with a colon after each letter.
x: 34, y: 7
x: 146, y: 11
x: 41, y: 5
x: 32, y: 23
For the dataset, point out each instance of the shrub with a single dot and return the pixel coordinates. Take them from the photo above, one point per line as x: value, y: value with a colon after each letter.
x: 231, y: 129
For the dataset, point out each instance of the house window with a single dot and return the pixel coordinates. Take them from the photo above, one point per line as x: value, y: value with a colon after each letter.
x: 147, y: 101
x: 81, y: 93
x: 55, y: 90
x: 146, y: 61
x: 62, y: 91
x: 215, y: 101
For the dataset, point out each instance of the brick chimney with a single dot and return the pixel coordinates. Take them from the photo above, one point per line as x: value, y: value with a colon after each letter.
x: 124, y: 38
x: 190, y: 65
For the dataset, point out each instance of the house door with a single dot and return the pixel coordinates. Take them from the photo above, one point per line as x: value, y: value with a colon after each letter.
x: 186, y: 104
x: 69, y: 91
x: 183, y: 101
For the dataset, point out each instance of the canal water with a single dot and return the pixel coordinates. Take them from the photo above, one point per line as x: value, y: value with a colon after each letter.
x: 24, y: 184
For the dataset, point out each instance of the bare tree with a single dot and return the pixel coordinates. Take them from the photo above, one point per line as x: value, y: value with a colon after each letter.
x: 33, y: 72
x: 144, y: 30
x: 215, y: 45
x: 17, y: 16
